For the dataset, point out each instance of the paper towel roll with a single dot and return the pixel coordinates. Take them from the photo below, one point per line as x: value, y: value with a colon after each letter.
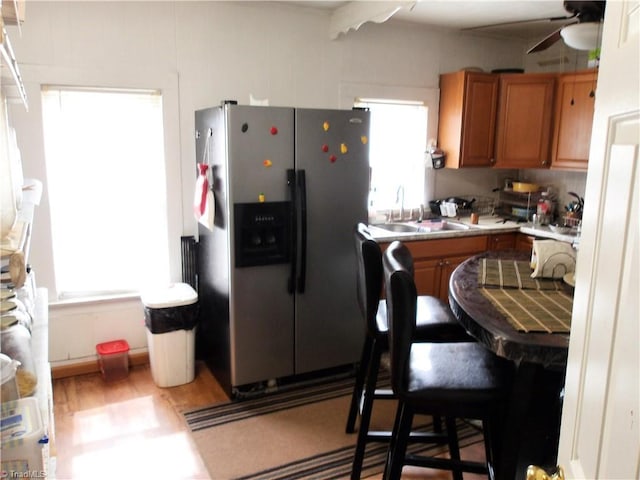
x: 552, y: 259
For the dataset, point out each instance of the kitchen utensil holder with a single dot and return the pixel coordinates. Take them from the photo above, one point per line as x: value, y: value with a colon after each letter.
x: 573, y: 222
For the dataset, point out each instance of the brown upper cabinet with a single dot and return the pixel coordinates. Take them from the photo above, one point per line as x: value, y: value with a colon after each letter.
x: 525, y: 115
x: 468, y: 103
x: 575, y: 101
x: 516, y: 120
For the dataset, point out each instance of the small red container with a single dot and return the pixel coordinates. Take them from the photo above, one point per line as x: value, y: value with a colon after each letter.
x: 113, y: 358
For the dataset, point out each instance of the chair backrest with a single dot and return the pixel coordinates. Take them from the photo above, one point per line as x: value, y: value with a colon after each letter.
x: 369, y: 278
x: 401, y: 295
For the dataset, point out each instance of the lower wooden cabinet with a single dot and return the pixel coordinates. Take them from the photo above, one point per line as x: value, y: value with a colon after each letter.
x: 524, y: 242
x: 435, y: 260
x: 501, y: 241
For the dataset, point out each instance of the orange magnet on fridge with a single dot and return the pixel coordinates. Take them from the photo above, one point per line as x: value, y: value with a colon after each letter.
x: 364, y: 139
x: 267, y: 163
x: 343, y: 148
x: 326, y: 126
x: 261, y: 198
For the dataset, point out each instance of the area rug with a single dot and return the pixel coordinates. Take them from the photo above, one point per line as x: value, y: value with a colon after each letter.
x: 295, y: 434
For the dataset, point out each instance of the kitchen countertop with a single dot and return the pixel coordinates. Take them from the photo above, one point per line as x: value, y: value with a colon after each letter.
x: 487, y: 224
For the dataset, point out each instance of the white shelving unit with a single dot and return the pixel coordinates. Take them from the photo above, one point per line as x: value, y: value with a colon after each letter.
x: 16, y: 246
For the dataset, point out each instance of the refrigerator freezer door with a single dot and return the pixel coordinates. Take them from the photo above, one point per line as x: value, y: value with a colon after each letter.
x: 260, y: 150
x: 332, y: 149
x: 259, y: 153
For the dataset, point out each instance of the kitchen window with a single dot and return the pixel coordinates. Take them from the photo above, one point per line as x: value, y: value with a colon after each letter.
x: 106, y: 186
x: 398, y: 140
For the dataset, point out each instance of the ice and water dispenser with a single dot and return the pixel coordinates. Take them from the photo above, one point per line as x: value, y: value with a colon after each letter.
x: 262, y: 233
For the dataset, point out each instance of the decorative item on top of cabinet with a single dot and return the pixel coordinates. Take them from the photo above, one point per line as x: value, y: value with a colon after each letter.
x: 525, y: 114
x: 574, y: 107
x: 467, y: 118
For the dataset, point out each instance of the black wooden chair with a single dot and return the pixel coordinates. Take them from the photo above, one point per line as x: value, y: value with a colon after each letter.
x: 451, y: 380
x: 435, y: 323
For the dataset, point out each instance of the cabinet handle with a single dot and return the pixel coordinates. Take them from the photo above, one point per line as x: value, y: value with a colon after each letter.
x: 492, y: 160
x: 544, y: 163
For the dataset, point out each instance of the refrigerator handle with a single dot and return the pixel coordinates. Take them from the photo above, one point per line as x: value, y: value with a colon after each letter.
x: 293, y: 236
x: 302, y: 271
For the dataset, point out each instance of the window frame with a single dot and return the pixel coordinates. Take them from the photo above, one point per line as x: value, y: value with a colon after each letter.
x: 32, y: 150
x: 95, y: 98
x: 429, y: 97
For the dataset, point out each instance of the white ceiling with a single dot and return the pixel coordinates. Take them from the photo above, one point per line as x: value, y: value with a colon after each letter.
x: 461, y: 15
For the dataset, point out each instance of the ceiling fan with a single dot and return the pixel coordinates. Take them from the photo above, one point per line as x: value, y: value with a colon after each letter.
x: 582, y: 33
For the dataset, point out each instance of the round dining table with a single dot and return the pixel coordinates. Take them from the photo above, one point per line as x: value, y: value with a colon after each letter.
x: 532, y: 417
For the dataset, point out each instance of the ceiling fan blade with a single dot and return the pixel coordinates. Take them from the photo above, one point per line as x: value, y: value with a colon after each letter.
x: 517, y: 22
x: 546, y: 42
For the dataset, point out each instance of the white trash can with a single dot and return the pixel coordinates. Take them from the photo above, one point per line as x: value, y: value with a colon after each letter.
x: 170, y: 315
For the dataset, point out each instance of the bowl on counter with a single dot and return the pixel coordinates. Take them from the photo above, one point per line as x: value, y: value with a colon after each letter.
x: 521, y: 187
x: 561, y: 229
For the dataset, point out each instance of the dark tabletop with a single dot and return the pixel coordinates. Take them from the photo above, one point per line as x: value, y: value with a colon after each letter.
x: 484, y: 322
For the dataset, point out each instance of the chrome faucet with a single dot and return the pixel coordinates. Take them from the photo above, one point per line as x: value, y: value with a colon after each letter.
x: 421, y: 216
x: 400, y: 198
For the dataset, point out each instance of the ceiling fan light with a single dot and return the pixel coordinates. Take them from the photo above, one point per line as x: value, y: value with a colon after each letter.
x: 581, y: 36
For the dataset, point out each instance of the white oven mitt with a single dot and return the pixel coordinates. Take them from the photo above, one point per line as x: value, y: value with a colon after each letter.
x: 552, y: 259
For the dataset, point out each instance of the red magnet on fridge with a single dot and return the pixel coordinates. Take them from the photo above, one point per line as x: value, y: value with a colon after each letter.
x: 325, y: 148
x: 267, y: 163
x: 326, y: 126
x: 332, y: 158
x: 274, y: 130
x: 343, y: 148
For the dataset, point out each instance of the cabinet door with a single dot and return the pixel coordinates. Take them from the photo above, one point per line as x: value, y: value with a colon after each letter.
x: 575, y: 101
x: 448, y: 265
x: 524, y: 243
x: 427, y: 276
x: 525, y: 112
x: 501, y: 241
x: 467, y: 118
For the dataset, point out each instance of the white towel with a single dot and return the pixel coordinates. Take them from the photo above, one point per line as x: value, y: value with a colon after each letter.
x: 552, y: 259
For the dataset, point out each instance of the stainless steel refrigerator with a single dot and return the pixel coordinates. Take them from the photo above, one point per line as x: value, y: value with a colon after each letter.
x: 277, y: 272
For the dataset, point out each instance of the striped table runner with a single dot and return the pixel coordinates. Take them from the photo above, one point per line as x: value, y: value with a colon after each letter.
x: 512, y: 274
x: 529, y: 304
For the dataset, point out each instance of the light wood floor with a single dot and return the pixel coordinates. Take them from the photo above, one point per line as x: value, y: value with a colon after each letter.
x: 133, y: 429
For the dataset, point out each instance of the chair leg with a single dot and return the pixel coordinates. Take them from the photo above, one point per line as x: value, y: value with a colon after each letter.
x: 437, y: 423
x: 367, y: 408
x: 399, y: 440
x: 454, y: 447
x: 365, y: 361
x: 490, y: 428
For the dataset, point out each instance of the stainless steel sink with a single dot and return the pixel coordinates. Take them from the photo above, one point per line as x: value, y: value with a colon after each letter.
x: 424, y: 227
x: 448, y: 225
x: 400, y: 227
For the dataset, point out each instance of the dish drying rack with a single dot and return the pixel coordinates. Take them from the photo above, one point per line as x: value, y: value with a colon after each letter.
x: 526, y: 202
x: 481, y: 205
